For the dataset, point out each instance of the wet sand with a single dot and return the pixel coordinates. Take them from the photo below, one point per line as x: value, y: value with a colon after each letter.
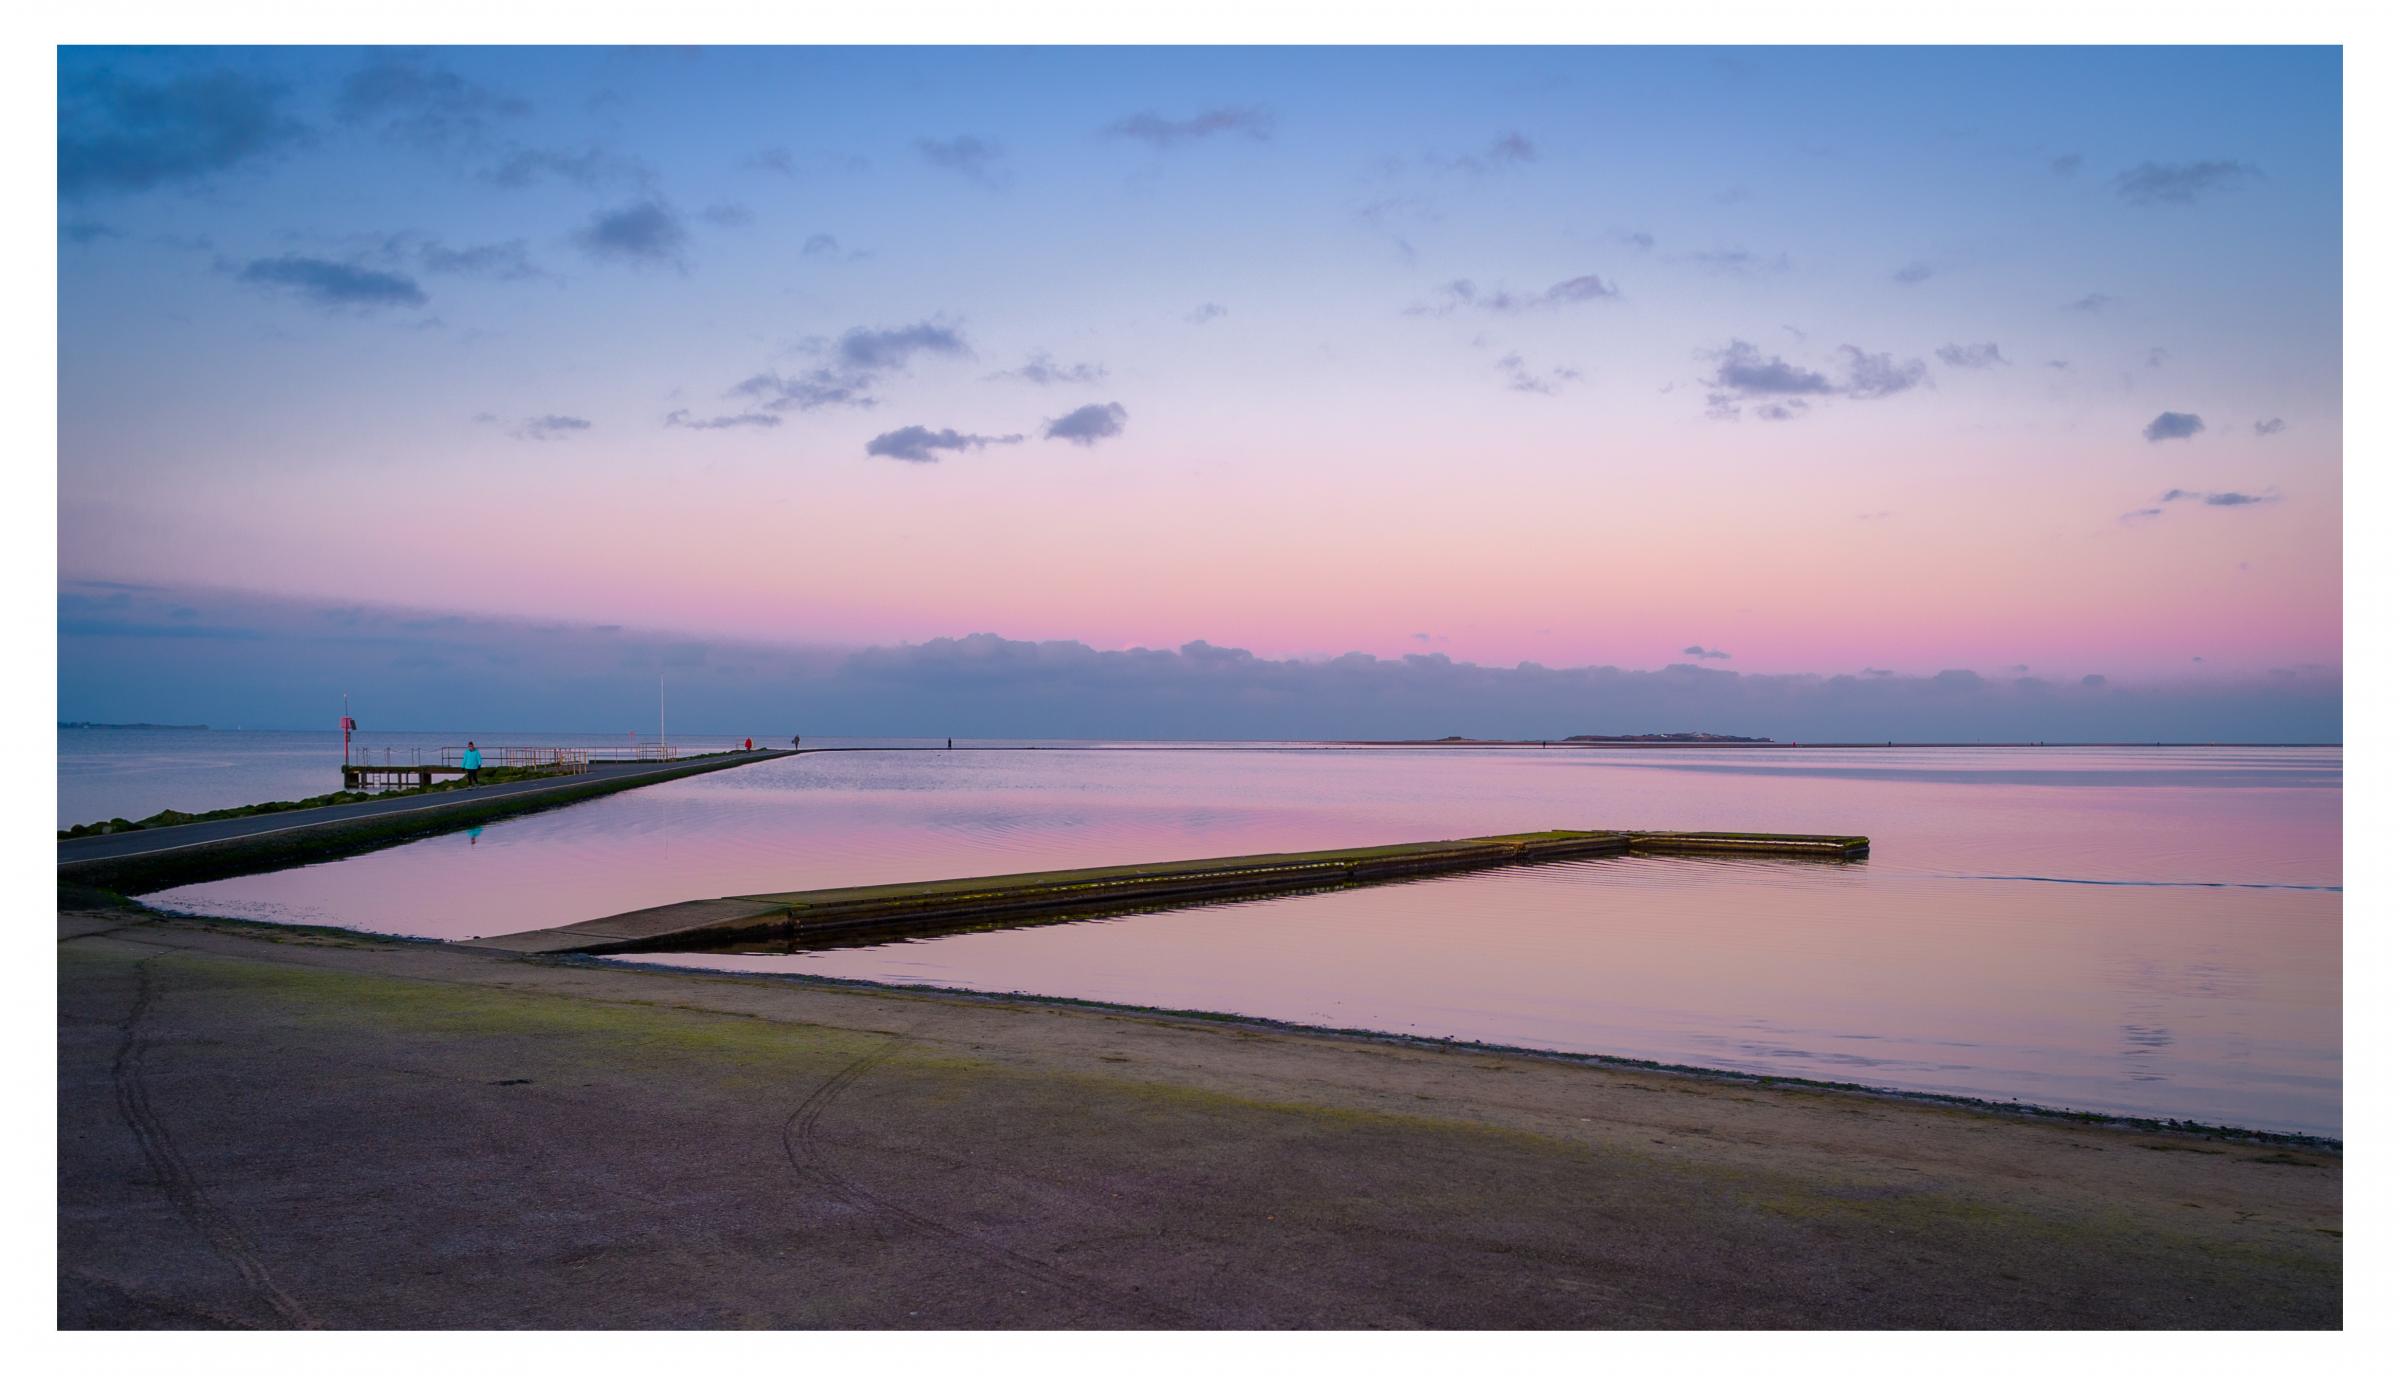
x: 295, y: 1127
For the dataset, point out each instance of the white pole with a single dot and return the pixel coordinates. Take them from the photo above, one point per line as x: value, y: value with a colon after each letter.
x: 662, y: 716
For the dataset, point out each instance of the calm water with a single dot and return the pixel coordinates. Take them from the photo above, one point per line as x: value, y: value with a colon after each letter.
x: 2145, y: 931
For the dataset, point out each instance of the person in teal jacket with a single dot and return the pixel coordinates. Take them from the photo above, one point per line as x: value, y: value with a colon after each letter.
x: 473, y: 760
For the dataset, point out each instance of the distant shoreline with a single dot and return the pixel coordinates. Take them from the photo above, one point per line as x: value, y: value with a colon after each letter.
x: 1570, y: 743
x: 125, y: 726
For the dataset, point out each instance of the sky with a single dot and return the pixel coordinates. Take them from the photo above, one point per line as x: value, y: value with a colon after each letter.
x: 1792, y: 370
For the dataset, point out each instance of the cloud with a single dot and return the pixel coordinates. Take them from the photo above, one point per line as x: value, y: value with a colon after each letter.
x: 817, y: 245
x: 916, y: 444
x: 2172, y: 425
x: 968, y: 156
x: 1159, y: 132
x: 643, y: 233
x: 776, y: 160
x: 1042, y: 371
x: 1703, y: 652
x: 1510, y: 149
x: 2067, y: 164
x: 1913, y: 273
x: 504, y: 262
x: 1462, y: 293
x: 747, y: 420
x: 2153, y: 183
x: 728, y: 215
x: 1524, y: 379
x: 1737, y: 262
x: 2268, y: 427
x: 1743, y: 371
x: 591, y: 169
x: 870, y: 350
x: 88, y: 232
x: 2177, y: 494
x: 1971, y: 355
x: 1087, y: 425
x: 2090, y: 304
x: 122, y: 135
x: 2095, y: 680
x: 289, y: 653
x: 414, y: 102
x: 1640, y: 240
x: 550, y: 427
x: 1205, y: 312
x: 809, y: 391
x: 1876, y: 375
x: 332, y: 284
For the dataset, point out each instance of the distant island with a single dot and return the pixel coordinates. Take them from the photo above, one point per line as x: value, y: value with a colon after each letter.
x: 1647, y: 738
x: 1675, y: 738
x: 124, y: 726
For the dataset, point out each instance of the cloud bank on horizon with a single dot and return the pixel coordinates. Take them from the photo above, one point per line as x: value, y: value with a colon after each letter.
x: 1577, y: 356
x: 134, y: 653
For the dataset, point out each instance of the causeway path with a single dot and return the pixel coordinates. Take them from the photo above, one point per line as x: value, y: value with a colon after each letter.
x: 427, y: 811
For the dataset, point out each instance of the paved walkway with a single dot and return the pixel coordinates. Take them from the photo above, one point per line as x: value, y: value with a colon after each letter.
x: 123, y: 844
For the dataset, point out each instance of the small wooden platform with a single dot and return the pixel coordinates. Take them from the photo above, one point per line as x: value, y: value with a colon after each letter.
x: 885, y: 911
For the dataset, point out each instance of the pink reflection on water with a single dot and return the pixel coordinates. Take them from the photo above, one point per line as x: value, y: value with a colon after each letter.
x: 2032, y: 924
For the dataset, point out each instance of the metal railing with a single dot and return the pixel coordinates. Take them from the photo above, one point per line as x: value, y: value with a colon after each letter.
x: 557, y: 759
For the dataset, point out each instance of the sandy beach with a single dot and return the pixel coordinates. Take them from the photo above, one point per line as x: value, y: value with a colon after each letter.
x: 265, y: 1127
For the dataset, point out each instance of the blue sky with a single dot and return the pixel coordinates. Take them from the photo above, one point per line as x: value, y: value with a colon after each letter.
x: 1845, y: 359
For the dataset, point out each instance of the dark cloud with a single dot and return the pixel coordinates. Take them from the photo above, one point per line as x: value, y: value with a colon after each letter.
x: 2181, y: 183
x: 810, y: 391
x: 1912, y: 274
x: 328, y: 283
x: 288, y: 653
x: 747, y: 420
x: 1042, y: 371
x: 916, y: 444
x: 2177, y: 494
x: 2172, y: 425
x: 968, y: 156
x: 416, y: 102
x: 2091, y: 304
x: 818, y: 245
x: 1743, y: 371
x: 728, y: 215
x: 2268, y: 427
x: 1205, y: 312
x: 1971, y: 355
x: 870, y: 350
x: 116, y: 134
x: 645, y: 233
x: 1087, y: 425
x: 550, y: 427
x: 87, y: 232
x: 1524, y: 379
x: 1638, y: 239
x: 2067, y: 164
x: 1703, y: 652
x: 2095, y: 680
x: 776, y: 160
x: 1160, y: 132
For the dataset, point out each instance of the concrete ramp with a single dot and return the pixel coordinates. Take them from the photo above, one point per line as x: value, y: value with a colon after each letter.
x: 886, y: 911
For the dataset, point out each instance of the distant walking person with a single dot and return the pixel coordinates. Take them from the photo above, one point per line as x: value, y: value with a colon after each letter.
x: 746, y: 745
x: 795, y: 742
x: 473, y: 761
x: 949, y: 744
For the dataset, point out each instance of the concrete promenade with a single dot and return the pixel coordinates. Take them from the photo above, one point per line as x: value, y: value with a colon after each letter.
x: 264, y: 1127
x: 139, y: 861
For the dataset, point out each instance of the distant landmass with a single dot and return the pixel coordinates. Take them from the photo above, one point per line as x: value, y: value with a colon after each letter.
x: 124, y: 726
x: 1678, y: 738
